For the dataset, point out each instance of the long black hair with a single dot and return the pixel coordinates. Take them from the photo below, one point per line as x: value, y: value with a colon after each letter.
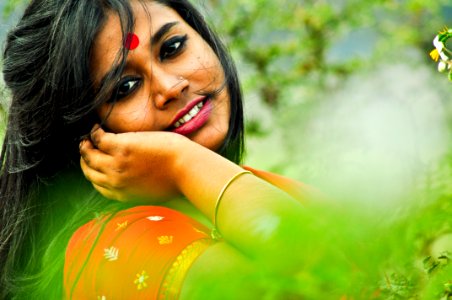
x: 43, y: 195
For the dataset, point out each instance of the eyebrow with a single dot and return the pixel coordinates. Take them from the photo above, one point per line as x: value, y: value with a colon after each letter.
x: 156, y: 38
x: 162, y: 31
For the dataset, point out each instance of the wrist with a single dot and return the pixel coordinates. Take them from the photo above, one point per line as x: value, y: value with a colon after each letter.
x: 201, y: 174
x: 178, y: 160
x: 186, y: 157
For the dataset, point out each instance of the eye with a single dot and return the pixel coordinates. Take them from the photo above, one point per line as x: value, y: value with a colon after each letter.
x: 172, y: 47
x: 126, y: 86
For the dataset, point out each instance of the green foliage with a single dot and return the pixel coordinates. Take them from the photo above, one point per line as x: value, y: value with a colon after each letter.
x: 287, y: 57
x: 361, y: 252
x: 10, y: 6
x: 294, y: 58
x: 287, y: 42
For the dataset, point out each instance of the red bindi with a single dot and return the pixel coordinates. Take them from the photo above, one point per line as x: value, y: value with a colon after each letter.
x: 132, y: 41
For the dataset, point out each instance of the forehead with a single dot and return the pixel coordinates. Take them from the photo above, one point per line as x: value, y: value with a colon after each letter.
x: 149, y: 17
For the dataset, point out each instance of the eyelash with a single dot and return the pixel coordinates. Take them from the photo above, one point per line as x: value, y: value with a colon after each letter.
x: 178, y: 42
x: 166, y: 52
x: 133, y: 83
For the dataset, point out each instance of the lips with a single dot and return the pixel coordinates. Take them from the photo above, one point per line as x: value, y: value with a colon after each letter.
x: 192, y: 117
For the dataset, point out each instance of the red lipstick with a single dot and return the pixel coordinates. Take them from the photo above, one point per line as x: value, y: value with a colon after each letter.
x: 193, y: 116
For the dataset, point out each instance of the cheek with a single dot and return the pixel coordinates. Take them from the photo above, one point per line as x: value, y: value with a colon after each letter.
x: 206, y: 61
x: 214, y: 66
x: 126, y: 118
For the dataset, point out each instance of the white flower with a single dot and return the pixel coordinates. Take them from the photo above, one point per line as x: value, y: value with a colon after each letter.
x: 438, y: 45
x: 440, y: 53
x: 443, y: 56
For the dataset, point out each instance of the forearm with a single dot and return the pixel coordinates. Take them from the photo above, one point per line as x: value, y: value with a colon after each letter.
x: 253, y: 215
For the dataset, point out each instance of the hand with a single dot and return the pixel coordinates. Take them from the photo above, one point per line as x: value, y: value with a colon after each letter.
x: 133, y: 165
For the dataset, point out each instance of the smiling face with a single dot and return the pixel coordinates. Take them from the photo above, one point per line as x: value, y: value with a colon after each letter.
x: 172, y: 80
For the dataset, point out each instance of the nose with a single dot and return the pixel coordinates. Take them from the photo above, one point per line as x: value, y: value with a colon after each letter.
x: 167, y: 87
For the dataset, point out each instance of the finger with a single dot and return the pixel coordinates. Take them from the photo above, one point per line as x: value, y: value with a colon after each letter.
x: 96, y: 134
x: 94, y: 176
x: 95, y: 158
x: 104, y: 191
x: 107, y: 193
x: 102, y: 140
x: 85, y: 145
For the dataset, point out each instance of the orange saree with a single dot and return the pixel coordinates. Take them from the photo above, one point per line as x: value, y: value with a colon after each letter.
x: 139, y: 253
x: 143, y: 252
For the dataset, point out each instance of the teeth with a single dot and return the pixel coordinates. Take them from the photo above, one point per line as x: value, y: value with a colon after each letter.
x: 193, y: 112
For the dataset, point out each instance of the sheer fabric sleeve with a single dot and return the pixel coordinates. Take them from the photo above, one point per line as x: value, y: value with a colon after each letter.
x: 296, y: 189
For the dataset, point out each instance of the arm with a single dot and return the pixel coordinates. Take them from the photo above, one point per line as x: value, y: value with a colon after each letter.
x: 253, y: 216
x: 221, y: 272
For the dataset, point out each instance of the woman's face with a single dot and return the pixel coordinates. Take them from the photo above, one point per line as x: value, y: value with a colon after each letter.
x: 165, y: 80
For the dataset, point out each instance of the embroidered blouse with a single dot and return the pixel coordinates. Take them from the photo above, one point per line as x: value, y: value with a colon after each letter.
x: 139, y: 253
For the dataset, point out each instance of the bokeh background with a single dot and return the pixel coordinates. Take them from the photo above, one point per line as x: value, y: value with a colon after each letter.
x: 342, y: 95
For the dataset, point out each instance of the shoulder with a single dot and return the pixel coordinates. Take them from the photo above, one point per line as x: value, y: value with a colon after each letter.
x: 132, y: 253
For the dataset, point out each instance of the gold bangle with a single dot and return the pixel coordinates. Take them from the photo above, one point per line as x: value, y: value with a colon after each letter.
x: 216, y: 235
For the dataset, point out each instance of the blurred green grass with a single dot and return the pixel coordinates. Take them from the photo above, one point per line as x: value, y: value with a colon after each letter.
x: 343, y: 95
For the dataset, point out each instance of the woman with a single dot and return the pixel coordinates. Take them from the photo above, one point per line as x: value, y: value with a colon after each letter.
x: 154, y: 97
